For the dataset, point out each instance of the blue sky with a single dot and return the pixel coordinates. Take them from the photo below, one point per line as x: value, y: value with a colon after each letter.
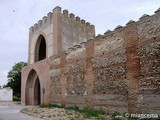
x: 17, y: 16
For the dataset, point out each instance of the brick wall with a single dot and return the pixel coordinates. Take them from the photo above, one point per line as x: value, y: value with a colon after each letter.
x: 117, y: 71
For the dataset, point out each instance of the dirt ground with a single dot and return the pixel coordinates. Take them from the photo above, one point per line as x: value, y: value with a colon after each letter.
x: 16, y: 111
x: 59, y: 114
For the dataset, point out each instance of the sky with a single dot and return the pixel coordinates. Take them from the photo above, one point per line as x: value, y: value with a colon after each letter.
x: 17, y: 16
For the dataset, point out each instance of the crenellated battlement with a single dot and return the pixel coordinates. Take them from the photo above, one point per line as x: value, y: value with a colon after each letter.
x: 144, y: 16
x: 158, y: 10
x: 71, y: 16
x: 74, y: 29
x: 119, y: 27
x: 46, y: 21
x: 130, y: 22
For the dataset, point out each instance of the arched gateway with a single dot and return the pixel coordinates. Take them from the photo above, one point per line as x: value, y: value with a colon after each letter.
x: 42, y: 80
x: 118, y: 71
x: 33, y: 87
x: 40, y: 49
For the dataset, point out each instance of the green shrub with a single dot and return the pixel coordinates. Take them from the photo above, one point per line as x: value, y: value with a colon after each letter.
x: 51, y: 106
x: 87, y: 112
x: 72, y: 108
x: 15, y: 98
x: 93, y: 112
x: 114, y: 116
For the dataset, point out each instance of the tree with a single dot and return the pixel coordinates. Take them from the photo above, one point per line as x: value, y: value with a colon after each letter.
x: 14, y: 78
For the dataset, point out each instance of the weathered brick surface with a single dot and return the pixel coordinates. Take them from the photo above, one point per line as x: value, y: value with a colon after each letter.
x: 110, y: 59
x: 149, y: 27
x: 149, y: 55
x: 109, y: 43
x: 111, y: 102
x: 89, y: 76
x: 75, y: 31
x: 75, y: 72
x: 109, y: 72
x: 150, y: 80
x: 42, y: 69
x: 118, y: 71
x: 132, y: 67
x: 55, y: 85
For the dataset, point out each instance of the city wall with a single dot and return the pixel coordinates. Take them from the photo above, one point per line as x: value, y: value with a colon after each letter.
x: 117, y: 71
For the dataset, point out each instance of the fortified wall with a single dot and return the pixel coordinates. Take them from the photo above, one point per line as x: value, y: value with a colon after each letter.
x: 61, y: 30
x: 117, y: 71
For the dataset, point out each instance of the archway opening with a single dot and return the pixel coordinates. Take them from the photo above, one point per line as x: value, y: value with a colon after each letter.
x: 40, y: 50
x: 33, y: 87
x: 37, y: 94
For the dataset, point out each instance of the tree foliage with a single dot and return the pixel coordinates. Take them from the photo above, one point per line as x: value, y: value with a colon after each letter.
x: 14, y: 78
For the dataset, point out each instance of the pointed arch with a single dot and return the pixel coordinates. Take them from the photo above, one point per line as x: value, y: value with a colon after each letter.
x: 33, y: 87
x: 40, y: 48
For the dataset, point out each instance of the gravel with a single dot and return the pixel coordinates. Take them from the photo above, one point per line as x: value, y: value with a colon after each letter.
x: 59, y: 114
